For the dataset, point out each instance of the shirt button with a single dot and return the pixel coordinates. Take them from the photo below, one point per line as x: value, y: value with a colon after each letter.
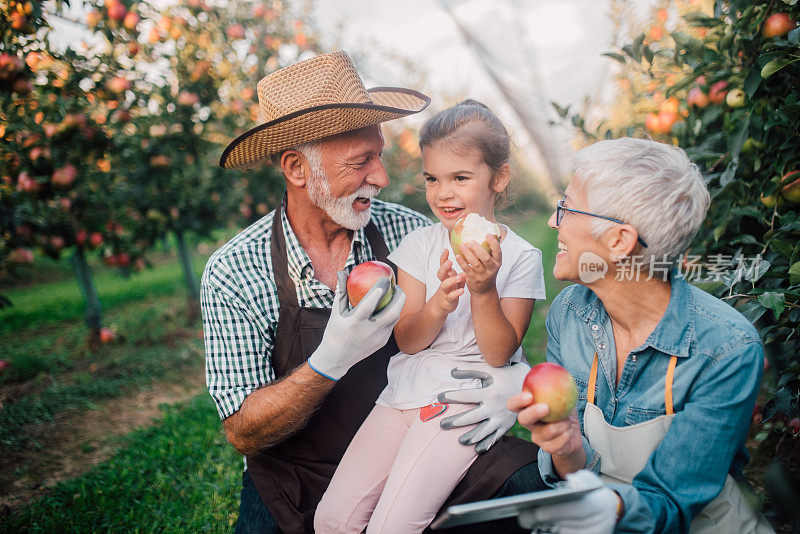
x: 595, y: 328
x: 602, y: 346
x: 633, y: 357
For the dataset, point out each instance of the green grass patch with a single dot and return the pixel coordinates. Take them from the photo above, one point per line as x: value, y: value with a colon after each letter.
x: 51, y: 303
x: 179, y: 475
x: 61, y: 374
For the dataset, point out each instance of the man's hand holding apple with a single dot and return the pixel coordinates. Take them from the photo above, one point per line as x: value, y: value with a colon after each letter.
x: 353, y: 334
x: 481, y: 265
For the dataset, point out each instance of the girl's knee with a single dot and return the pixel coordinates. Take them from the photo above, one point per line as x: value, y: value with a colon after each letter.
x: 332, y: 518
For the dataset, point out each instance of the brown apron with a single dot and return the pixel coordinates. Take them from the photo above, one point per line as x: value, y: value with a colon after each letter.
x: 291, y: 476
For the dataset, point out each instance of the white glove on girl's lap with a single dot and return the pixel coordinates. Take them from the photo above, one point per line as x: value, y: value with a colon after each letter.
x: 352, y: 335
x: 498, y: 384
x: 594, y: 513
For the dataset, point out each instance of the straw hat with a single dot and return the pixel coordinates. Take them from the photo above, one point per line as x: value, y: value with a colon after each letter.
x: 316, y: 98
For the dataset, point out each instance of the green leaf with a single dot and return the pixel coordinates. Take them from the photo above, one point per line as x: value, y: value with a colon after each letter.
x: 794, y: 36
x: 719, y: 230
x: 791, y: 109
x: 738, y: 138
x: 782, y: 247
x: 615, y: 56
x: 774, y: 301
x: 775, y: 65
x: 752, y: 82
x: 727, y: 177
x: 794, y: 273
x: 790, y: 2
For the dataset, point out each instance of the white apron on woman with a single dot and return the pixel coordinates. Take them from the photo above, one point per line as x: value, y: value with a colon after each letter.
x: 624, y: 452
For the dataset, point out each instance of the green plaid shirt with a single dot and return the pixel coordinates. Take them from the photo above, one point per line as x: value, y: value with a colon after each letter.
x: 240, y: 305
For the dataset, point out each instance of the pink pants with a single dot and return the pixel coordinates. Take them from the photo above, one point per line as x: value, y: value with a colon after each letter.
x: 396, y: 474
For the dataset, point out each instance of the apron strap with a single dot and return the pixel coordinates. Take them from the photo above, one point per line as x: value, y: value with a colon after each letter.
x: 592, y: 380
x: 667, y: 383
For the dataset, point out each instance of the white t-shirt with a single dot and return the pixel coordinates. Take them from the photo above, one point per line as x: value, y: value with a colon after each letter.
x: 415, y: 380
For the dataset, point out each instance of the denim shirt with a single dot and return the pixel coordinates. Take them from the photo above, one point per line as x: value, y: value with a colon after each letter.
x: 719, y: 364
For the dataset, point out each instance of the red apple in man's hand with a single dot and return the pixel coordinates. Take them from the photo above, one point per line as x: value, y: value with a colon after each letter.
x: 364, y: 276
x: 551, y: 384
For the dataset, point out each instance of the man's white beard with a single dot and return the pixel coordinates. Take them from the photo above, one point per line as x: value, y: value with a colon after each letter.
x: 339, y: 209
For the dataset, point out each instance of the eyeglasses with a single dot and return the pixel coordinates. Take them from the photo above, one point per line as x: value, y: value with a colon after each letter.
x: 560, y: 209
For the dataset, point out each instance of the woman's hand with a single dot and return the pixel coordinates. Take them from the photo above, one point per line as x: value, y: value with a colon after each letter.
x: 452, y: 286
x: 479, y: 265
x: 560, y: 439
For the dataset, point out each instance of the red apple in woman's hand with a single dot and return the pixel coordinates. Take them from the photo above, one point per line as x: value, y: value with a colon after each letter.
x: 364, y: 276
x: 551, y: 384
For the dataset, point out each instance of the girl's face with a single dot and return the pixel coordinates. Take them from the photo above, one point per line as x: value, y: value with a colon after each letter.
x: 457, y: 183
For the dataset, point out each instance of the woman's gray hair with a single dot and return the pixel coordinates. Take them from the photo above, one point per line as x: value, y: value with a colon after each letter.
x: 652, y: 186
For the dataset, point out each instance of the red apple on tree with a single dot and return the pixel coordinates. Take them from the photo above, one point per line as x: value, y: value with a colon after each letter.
x: 65, y: 176
x: 697, y: 98
x: 117, y: 11
x: 21, y: 255
x: 777, y: 25
x: 96, y: 239
x: 118, y: 84
x: 364, y: 276
x: 551, y: 384
x: 718, y: 92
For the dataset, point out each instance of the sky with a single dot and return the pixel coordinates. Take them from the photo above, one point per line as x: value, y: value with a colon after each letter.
x: 416, y: 43
x: 563, y: 41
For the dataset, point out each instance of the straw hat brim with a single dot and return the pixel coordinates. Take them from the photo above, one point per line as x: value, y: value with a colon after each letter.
x: 317, y: 122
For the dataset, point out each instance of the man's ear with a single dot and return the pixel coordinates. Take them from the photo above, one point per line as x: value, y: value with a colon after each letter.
x: 295, y: 167
x: 621, y: 241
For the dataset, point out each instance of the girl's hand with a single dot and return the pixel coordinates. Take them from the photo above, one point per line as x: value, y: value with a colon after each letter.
x: 480, y: 266
x: 562, y: 438
x: 445, y: 267
x: 450, y: 290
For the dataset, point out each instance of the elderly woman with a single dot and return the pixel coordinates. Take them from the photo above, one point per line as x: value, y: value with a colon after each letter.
x: 667, y: 375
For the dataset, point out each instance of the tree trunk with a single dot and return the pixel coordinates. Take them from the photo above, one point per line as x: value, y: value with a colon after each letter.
x: 192, y: 285
x: 94, y: 310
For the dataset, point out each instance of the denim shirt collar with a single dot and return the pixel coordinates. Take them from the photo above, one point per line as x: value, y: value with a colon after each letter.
x: 675, y: 331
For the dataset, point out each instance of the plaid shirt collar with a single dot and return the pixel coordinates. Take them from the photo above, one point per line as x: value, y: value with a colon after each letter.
x: 301, y: 271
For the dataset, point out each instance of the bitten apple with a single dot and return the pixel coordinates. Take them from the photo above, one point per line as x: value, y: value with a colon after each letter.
x: 364, y: 276
x: 473, y: 227
x: 553, y: 385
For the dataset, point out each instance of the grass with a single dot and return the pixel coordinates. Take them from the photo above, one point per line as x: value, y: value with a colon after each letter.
x: 179, y: 475
x: 52, y: 303
x: 63, y: 375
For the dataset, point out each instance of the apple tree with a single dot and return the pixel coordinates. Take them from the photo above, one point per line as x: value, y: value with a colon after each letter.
x: 58, y: 192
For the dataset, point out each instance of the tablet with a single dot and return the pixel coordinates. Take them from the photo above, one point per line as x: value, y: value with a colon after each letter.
x: 478, y: 512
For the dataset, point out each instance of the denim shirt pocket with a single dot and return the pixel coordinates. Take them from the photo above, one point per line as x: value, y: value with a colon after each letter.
x: 636, y: 415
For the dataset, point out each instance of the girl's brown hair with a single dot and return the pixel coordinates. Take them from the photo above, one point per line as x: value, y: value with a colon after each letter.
x: 469, y: 125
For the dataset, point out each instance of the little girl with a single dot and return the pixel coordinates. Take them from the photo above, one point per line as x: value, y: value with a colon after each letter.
x: 401, y: 467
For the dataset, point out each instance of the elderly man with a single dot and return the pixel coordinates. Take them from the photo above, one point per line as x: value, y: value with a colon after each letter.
x: 292, y: 369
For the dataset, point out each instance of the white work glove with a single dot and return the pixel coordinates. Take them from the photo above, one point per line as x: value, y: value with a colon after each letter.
x: 593, y: 513
x: 353, y: 334
x: 498, y: 384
